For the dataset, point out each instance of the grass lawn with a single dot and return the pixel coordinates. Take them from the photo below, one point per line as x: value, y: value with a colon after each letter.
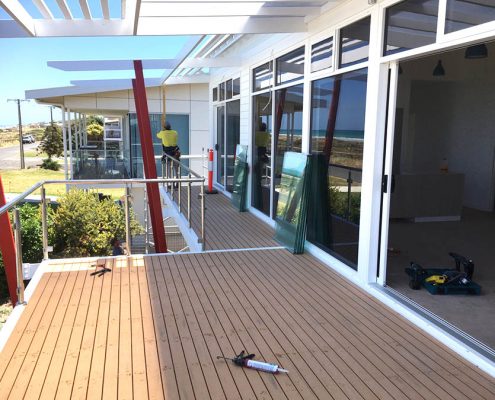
x: 34, y: 153
x: 18, y: 181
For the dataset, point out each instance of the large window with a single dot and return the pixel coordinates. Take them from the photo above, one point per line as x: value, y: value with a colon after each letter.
x: 354, y: 42
x: 290, y: 66
x: 463, y: 14
x: 287, y: 129
x: 262, y: 150
x: 337, y: 137
x: 410, y: 24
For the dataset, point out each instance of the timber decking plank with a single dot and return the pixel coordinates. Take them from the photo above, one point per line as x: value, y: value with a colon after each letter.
x: 46, y: 353
x: 66, y: 382
x: 233, y: 334
x: 180, y: 365
x: 153, y: 370
x: 81, y: 378
x: 54, y: 371
x: 139, y: 378
x: 206, y: 363
x: 16, y: 336
x: 97, y: 370
x: 298, y: 344
x: 125, y: 339
x: 111, y: 366
x: 397, y: 327
x: 29, y: 335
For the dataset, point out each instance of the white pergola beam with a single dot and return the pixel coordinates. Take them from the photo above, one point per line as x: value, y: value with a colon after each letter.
x: 203, y: 9
x: 65, y: 9
x: 81, y: 27
x: 105, y: 9
x: 130, y: 14
x: 43, y: 9
x: 15, y: 9
x: 219, y: 25
x: 85, y: 9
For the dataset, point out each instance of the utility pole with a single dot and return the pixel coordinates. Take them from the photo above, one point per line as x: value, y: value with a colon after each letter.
x: 21, y: 145
x: 51, y: 114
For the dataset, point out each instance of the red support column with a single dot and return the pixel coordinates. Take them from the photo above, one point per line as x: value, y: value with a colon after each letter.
x: 148, y: 158
x: 7, y: 246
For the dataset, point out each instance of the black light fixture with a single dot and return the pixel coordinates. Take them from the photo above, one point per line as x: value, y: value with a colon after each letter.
x: 476, y: 51
x: 439, y: 71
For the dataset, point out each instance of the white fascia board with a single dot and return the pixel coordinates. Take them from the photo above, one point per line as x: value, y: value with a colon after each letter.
x: 12, y: 29
x: 81, y: 27
x: 179, y: 80
x: 15, y: 9
x: 219, y: 25
x: 111, y: 65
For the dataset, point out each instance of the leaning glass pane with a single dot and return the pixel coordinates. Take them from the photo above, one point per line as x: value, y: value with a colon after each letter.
x: 262, y: 76
x: 287, y: 128
x: 337, y: 139
x: 290, y: 66
x: 262, y: 152
x: 354, y: 42
x: 321, y: 55
x: 410, y: 24
x: 462, y: 14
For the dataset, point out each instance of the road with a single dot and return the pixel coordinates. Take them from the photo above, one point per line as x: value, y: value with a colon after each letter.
x: 9, y: 157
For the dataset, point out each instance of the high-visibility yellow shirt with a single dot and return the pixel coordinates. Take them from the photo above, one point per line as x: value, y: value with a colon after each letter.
x: 169, y: 137
x: 262, y: 138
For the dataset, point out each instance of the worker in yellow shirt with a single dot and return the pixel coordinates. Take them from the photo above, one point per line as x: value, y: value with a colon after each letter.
x: 169, y: 139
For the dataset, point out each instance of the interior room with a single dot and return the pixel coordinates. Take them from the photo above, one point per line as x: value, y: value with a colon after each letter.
x: 444, y: 177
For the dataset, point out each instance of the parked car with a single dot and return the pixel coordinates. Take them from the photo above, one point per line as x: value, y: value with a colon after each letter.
x: 28, y: 139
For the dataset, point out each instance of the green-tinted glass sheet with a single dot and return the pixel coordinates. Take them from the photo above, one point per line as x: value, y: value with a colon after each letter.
x: 239, y: 186
x: 292, y: 202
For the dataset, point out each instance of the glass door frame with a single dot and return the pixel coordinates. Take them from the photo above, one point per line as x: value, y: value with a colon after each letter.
x: 218, y: 145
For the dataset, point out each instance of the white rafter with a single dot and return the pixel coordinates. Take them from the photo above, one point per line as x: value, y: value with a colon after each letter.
x: 105, y: 9
x: 65, y: 9
x: 85, y: 9
x: 43, y: 9
x: 19, y: 14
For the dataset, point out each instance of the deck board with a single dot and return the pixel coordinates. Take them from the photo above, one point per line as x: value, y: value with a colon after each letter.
x: 154, y: 326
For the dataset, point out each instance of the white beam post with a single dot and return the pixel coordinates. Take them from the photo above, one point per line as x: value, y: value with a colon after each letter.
x: 64, y: 134
x: 70, y: 144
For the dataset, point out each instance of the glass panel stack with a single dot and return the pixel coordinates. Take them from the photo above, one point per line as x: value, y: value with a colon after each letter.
x: 239, y: 186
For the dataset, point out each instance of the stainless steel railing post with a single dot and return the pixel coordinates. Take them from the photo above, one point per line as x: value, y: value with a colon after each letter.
x: 44, y: 223
x: 18, y: 258
x: 179, y: 186
x: 163, y: 171
x: 127, y: 220
x: 202, y: 195
x: 189, y: 200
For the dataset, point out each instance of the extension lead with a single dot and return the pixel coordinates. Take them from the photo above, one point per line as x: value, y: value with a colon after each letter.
x: 247, y: 361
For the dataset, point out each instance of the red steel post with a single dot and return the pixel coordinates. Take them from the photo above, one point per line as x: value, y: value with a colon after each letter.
x: 148, y: 158
x: 7, y: 247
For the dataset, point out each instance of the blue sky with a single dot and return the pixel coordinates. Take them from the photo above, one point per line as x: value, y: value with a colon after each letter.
x: 23, y: 66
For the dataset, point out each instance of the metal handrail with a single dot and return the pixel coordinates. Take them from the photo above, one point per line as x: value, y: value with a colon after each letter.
x: 44, y: 201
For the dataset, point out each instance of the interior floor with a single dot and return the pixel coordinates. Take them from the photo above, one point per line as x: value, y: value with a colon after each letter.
x: 428, y: 244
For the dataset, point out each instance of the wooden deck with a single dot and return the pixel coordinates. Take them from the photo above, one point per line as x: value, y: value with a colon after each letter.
x: 227, y: 228
x: 153, y: 327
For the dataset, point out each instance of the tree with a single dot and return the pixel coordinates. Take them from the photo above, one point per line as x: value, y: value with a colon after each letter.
x: 95, y: 119
x: 95, y: 132
x: 83, y: 225
x: 51, y: 143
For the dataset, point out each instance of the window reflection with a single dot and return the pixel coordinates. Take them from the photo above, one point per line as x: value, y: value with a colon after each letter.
x: 465, y: 14
x: 337, y: 138
x: 410, y: 24
x: 262, y: 76
x: 290, y: 66
x: 321, y: 55
x: 287, y: 128
x: 262, y: 150
x: 354, y: 42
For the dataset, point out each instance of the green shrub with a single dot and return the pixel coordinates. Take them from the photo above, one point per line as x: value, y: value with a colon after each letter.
x: 48, y: 163
x: 82, y: 225
x: 52, y: 142
x: 95, y: 132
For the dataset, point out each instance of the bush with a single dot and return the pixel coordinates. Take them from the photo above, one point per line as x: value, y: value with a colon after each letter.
x: 82, y: 225
x: 95, y: 132
x: 52, y: 142
x: 48, y: 163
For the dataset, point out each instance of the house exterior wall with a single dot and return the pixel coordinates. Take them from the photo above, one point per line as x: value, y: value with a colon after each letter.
x: 255, y: 50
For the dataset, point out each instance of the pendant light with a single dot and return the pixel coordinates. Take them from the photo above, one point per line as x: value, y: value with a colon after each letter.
x: 439, y: 71
x: 476, y: 51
